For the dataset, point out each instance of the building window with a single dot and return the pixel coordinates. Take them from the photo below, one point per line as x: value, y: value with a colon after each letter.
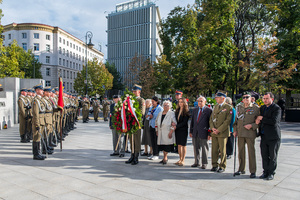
x: 71, y: 88
x: 59, y: 61
x: 9, y: 36
x: 47, y: 71
x: 64, y: 41
x: 67, y: 74
x: 48, y: 83
x: 59, y: 51
x: 36, y: 35
x: 71, y: 75
x: 59, y: 39
x: 79, y: 66
x: 64, y: 73
x: 64, y: 62
x: 36, y: 47
x: 73, y: 46
x: 79, y: 57
x: 74, y: 55
x: 67, y: 53
x: 47, y: 37
x: 67, y: 63
x: 48, y: 47
x: 67, y: 43
x: 64, y: 51
x: 24, y: 35
x: 79, y: 49
x: 37, y: 58
x: 24, y: 45
x: 73, y: 65
x: 70, y: 54
x: 76, y: 65
x: 67, y: 86
x: 48, y: 59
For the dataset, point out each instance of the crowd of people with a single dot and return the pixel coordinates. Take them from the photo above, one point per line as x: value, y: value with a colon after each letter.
x: 165, y: 126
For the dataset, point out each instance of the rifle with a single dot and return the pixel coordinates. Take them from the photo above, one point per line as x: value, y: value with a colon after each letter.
x: 44, y: 143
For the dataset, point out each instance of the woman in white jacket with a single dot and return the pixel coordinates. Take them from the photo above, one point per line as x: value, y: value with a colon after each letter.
x: 165, y: 130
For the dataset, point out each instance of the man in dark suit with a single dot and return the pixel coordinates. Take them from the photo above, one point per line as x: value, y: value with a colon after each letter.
x: 270, y: 135
x: 199, y: 131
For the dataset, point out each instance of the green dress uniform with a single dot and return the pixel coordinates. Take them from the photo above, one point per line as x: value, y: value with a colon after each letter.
x: 49, y: 124
x: 96, y: 107
x: 85, y: 110
x: 38, y: 124
x: 105, y: 109
x: 23, y: 103
x: 244, y: 116
x: 220, y: 119
x: 29, y: 121
x: 136, y: 138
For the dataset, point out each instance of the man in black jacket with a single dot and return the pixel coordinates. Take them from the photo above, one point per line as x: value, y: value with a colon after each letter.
x: 270, y: 135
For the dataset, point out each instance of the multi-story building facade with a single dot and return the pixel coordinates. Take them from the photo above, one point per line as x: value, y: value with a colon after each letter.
x: 59, y: 52
x: 133, y: 29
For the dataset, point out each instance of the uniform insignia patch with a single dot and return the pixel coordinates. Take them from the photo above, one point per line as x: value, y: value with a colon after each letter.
x: 231, y: 112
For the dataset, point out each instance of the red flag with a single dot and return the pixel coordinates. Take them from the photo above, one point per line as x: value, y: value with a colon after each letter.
x: 60, y: 102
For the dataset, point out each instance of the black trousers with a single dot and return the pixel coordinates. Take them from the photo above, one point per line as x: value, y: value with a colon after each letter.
x: 154, y: 141
x: 269, y: 153
x: 229, y: 145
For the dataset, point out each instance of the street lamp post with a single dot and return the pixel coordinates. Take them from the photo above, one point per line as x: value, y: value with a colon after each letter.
x: 89, y: 35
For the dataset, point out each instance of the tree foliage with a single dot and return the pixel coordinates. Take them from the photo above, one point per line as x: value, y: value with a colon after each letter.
x: 117, y: 82
x: 98, y: 80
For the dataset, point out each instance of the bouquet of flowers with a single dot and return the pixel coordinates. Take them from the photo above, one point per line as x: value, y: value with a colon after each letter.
x: 128, y: 116
x: 210, y: 102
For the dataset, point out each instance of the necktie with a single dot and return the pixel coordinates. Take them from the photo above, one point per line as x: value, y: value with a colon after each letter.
x: 199, y: 115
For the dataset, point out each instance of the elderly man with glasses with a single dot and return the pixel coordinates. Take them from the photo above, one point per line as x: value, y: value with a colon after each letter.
x: 246, y: 128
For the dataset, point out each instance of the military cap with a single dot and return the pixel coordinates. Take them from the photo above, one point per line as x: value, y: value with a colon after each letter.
x: 39, y: 86
x: 116, y: 96
x: 136, y: 87
x: 24, y: 90
x: 53, y: 91
x: 47, y: 89
x: 178, y: 92
x: 56, y: 89
x: 30, y: 90
x: 247, y: 93
x: 221, y: 94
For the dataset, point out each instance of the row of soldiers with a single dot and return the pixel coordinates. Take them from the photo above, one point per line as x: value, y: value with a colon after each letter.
x: 86, y: 104
x: 42, y: 119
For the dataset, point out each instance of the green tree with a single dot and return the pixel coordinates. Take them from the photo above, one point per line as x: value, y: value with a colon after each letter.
x: 287, y: 31
x: 99, y: 79
x: 162, y: 76
x: 147, y: 79
x: 117, y: 82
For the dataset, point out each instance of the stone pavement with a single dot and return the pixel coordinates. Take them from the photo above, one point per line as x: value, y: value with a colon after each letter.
x: 84, y: 170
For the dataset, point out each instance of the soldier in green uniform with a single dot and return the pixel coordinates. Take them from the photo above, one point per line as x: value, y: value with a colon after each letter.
x: 38, y: 121
x: 105, y: 105
x: 96, y: 107
x: 48, y: 121
x: 220, y: 125
x: 58, y: 116
x: 136, y: 138
x: 24, y: 106
x: 85, y: 110
x: 29, y: 123
x: 246, y: 128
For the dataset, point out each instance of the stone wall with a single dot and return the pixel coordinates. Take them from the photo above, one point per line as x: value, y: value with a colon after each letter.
x: 6, y: 109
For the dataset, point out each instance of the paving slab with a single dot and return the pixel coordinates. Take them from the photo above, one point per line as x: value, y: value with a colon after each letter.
x: 85, y: 170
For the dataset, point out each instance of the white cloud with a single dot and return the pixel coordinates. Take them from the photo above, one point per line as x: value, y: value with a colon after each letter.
x: 74, y: 16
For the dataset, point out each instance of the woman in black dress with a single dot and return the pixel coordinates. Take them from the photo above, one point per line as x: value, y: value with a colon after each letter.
x: 181, y: 132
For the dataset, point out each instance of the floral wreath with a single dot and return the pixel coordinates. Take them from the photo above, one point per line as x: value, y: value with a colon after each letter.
x: 128, y: 116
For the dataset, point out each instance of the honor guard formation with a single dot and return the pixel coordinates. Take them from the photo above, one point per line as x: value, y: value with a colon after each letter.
x: 165, y: 127
x: 41, y: 120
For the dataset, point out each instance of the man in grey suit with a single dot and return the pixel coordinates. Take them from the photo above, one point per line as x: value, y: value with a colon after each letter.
x: 199, y: 131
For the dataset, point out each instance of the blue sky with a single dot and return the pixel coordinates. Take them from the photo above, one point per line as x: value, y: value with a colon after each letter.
x: 74, y: 16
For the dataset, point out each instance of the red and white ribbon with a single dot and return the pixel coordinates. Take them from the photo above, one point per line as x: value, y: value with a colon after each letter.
x: 123, y: 114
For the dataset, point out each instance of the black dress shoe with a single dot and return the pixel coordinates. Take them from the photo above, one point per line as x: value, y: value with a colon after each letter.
x: 214, y: 169
x: 264, y: 175
x: 239, y: 173
x: 130, y: 159
x: 270, y: 177
x: 38, y: 157
x: 135, y: 161
x: 229, y: 156
x: 121, y: 155
x: 144, y: 154
x: 195, y: 165
x: 127, y: 151
x: 252, y: 175
x: 221, y: 170
x: 114, y: 154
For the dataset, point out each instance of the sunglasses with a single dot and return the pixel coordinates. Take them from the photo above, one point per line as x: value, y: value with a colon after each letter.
x: 246, y: 97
